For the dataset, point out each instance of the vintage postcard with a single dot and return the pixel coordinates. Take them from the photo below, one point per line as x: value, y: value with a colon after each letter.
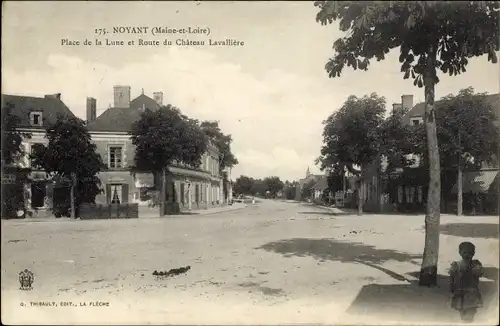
x: 250, y: 162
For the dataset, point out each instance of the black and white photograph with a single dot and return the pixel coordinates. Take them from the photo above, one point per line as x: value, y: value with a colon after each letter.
x: 250, y: 162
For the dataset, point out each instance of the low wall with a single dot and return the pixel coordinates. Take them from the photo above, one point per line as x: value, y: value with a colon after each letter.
x: 110, y: 211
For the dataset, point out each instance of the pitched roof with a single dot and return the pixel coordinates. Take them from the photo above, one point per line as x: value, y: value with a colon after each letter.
x: 321, y: 184
x: 419, y: 109
x: 50, y: 106
x: 121, y: 119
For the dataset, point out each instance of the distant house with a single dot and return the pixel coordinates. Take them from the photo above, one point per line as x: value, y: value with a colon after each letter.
x: 193, y: 187
x: 302, y: 182
x: 319, y: 187
x: 36, y: 114
x: 482, y: 182
x: 374, y: 198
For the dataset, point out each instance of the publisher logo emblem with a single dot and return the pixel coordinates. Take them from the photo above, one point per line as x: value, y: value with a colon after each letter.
x: 26, y: 279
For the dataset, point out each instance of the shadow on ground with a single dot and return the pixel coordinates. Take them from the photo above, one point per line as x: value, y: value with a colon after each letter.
x: 343, y: 251
x: 406, y: 303
x: 471, y: 230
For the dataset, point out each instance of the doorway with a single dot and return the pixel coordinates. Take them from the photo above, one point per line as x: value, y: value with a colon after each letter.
x: 38, y: 193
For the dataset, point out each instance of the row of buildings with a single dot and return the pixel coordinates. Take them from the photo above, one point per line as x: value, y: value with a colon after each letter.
x: 194, y: 188
x: 407, y: 189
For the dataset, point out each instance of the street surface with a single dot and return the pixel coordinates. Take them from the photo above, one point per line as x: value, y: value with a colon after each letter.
x: 272, y: 262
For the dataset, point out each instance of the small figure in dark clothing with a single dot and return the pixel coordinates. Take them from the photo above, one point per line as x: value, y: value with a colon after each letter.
x: 464, y: 283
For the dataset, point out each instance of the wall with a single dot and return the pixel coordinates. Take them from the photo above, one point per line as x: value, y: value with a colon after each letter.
x: 208, y: 180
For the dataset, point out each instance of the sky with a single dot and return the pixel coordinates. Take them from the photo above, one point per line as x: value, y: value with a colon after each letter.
x: 271, y: 94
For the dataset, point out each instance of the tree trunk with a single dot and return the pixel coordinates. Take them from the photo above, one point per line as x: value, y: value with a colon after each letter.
x: 163, y: 192
x: 459, y: 191
x: 72, y: 195
x: 428, y: 272
x: 361, y: 191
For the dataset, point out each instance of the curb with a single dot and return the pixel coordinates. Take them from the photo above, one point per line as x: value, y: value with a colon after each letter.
x: 332, y: 211
x: 224, y: 211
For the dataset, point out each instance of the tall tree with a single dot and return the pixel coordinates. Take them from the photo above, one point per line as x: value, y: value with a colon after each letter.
x: 12, y: 148
x: 243, y: 185
x: 430, y: 35
x: 351, y: 137
x: 223, y: 142
x: 273, y: 185
x: 72, y: 155
x: 163, y: 137
x: 12, y: 151
x: 467, y: 133
x: 259, y: 187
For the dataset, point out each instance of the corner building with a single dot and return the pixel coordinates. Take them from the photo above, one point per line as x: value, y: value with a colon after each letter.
x: 195, y: 188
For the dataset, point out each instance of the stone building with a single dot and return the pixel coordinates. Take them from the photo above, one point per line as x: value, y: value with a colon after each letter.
x: 194, y: 188
x: 35, y: 115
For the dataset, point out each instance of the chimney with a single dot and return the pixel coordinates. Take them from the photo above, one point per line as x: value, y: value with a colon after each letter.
x: 122, y: 96
x: 397, y: 107
x: 407, y: 102
x: 158, y: 97
x: 91, y: 109
x: 56, y: 96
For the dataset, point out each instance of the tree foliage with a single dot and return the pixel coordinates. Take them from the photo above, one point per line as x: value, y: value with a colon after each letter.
x: 290, y: 189
x: 12, y: 148
x: 243, y: 185
x: 165, y: 136
x: 351, y: 136
x: 305, y: 192
x: 223, y: 143
x: 12, y: 151
x: 430, y: 35
x: 458, y: 30
x: 273, y: 185
x: 466, y: 129
x: 71, y: 153
x: 398, y: 140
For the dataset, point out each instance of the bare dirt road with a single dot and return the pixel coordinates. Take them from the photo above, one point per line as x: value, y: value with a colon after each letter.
x: 273, y: 262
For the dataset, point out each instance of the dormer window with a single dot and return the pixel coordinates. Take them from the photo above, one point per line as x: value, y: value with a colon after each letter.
x: 416, y: 121
x: 36, y: 118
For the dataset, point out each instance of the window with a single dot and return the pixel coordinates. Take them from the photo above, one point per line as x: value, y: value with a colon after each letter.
x: 115, y: 157
x: 35, y: 148
x: 116, y: 194
x: 416, y: 121
x: 36, y: 118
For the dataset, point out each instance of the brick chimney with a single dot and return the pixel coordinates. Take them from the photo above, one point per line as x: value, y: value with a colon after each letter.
x: 397, y: 106
x: 122, y: 97
x: 91, y: 109
x: 407, y: 101
x: 158, y: 97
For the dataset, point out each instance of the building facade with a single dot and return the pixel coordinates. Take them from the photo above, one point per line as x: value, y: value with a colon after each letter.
x: 309, y: 178
x: 35, y: 115
x: 483, y: 183
x: 193, y: 188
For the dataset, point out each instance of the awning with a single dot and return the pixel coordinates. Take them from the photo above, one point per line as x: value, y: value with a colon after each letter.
x: 478, y: 181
